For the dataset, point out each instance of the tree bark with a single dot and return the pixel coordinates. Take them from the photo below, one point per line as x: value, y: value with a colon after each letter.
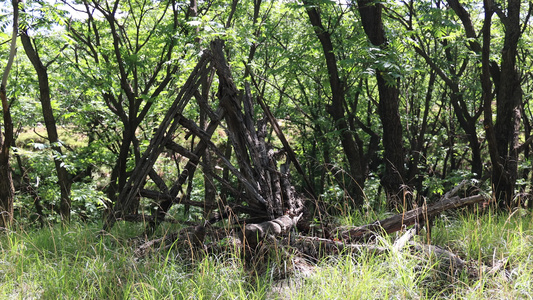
x: 502, y: 137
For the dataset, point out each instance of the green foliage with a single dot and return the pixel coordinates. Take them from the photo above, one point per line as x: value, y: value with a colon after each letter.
x: 37, y: 160
x: 274, y: 48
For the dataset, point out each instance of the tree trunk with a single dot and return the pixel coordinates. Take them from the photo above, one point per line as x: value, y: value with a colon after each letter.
x: 64, y: 178
x: 502, y: 137
x: 31, y: 190
x: 7, y: 191
x: 118, y: 174
x: 467, y: 122
x: 388, y: 108
x: 400, y: 221
x: 508, y: 101
x: 414, y: 176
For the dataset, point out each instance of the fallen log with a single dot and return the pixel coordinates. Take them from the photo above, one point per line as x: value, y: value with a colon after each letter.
x: 401, y: 221
x: 315, y: 248
x: 254, y: 233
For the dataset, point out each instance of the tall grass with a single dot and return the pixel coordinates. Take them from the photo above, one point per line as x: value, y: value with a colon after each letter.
x: 80, y: 263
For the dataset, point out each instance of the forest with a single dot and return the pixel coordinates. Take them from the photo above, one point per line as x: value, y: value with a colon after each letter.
x: 267, y: 149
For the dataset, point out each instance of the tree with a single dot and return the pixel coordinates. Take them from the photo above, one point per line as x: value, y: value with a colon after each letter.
x: 394, y: 178
x: 503, y: 135
x: 336, y: 110
x: 467, y: 114
x: 7, y: 191
x: 64, y: 178
x: 396, y: 101
x: 130, y: 57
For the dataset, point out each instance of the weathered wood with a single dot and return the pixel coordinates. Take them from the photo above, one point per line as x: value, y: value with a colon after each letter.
x: 166, y: 197
x: 292, y: 201
x: 236, y: 208
x: 405, y: 238
x: 171, y: 145
x: 248, y: 185
x: 157, y: 144
x: 254, y: 233
x: 258, y: 170
x: 254, y: 134
x: 286, y: 145
x: 159, y: 182
x: 263, y: 191
x: 401, y: 221
x: 190, y: 167
x: 317, y: 248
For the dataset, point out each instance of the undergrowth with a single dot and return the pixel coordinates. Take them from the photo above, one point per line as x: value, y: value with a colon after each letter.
x: 80, y: 262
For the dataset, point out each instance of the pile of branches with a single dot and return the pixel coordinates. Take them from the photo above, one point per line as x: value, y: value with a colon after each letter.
x: 264, y: 190
x: 294, y: 233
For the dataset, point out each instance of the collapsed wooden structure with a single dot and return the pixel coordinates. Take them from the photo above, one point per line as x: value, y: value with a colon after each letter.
x: 260, y: 186
x: 264, y: 190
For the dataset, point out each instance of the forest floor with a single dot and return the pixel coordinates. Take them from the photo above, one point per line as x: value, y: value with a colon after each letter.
x: 79, y: 262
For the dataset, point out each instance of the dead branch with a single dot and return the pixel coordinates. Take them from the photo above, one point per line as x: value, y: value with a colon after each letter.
x: 317, y: 248
x: 400, y: 221
x: 405, y: 238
